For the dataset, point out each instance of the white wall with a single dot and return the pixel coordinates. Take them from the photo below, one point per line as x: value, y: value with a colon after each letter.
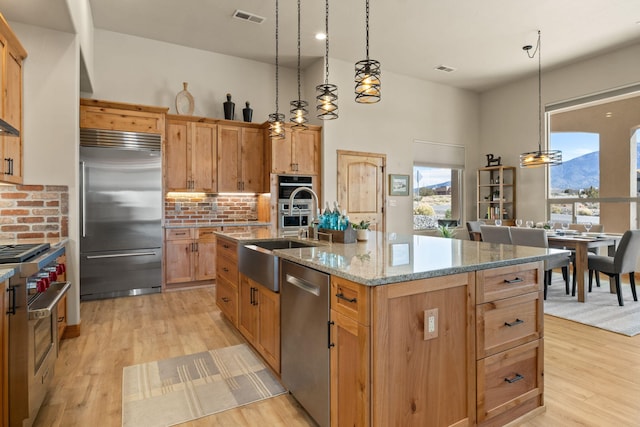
x: 143, y: 71
x: 80, y: 11
x: 409, y: 109
x: 509, y: 118
x: 51, y: 128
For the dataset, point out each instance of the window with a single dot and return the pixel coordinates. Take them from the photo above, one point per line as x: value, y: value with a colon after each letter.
x: 436, y: 196
x: 437, y: 183
x: 598, y: 181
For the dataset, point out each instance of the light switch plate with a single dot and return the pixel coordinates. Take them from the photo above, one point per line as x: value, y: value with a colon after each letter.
x: 430, y: 324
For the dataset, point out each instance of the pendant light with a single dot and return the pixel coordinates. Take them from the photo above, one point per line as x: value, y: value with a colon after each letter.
x: 276, y: 120
x: 367, y: 75
x: 326, y: 94
x: 540, y: 157
x: 299, y: 107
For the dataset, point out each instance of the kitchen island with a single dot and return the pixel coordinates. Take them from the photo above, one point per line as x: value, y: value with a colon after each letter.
x: 428, y: 331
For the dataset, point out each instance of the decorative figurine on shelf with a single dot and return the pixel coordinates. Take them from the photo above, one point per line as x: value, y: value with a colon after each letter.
x: 491, y: 161
x: 229, y: 108
x: 247, y: 112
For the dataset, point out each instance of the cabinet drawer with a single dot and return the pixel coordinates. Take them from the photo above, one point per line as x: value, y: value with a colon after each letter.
x: 227, y: 299
x: 506, y: 323
x: 227, y: 269
x: 505, y: 282
x: 178, y: 233
x: 509, y: 379
x: 350, y: 299
x: 227, y: 248
x: 206, y: 234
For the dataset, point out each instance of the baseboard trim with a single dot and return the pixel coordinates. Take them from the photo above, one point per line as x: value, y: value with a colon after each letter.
x: 71, y: 331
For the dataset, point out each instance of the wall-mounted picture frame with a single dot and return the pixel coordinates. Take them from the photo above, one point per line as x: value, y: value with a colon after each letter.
x: 398, y: 185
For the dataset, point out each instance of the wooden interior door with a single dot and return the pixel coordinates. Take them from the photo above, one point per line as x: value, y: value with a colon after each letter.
x: 361, y: 187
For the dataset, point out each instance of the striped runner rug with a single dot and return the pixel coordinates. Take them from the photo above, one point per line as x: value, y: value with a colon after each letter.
x: 601, y: 309
x: 180, y: 389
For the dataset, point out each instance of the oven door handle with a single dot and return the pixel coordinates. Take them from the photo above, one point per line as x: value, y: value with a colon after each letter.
x: 46, y: 302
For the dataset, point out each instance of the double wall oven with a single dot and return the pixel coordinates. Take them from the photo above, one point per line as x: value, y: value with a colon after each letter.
x: 34, y: 292
x: 302, y: 206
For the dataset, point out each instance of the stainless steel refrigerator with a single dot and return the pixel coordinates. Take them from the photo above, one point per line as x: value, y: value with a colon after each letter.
x: 120, y: 213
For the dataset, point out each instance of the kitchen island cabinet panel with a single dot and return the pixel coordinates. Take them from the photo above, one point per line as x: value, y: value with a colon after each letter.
x: 423, y: 352
x: 259, y: 319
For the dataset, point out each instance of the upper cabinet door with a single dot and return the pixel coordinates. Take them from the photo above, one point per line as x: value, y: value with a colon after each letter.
x: 176, y: 156
x: 281, y: 155
x: 13, y: 100
x: 229, y: 140
x: 203, y: 157
x: 306, y: 151
x: 252, y: 164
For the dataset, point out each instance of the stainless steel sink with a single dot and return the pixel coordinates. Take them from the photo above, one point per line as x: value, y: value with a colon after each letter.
x: 257, y: 261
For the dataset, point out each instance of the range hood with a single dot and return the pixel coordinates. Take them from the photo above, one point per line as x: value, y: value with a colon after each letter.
x: 7, y: 130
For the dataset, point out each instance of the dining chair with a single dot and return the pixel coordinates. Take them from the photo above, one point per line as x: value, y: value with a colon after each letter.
x: 537, y: 237
x: 495, y: 234
x: 624, y: 261
x: 473, y: 227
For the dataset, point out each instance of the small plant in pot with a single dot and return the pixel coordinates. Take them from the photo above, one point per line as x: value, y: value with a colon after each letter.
x: 445, y: 231
x: 362, y: 229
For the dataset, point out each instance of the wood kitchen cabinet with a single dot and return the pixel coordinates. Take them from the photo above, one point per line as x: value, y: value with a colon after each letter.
x: 227, y: 278
x: 509, y: 337
x: 298, y: 153
x: 190, y: 256
x: 12, y: 54
x: 241, y: 158
x: 190, y: 155
x: 120, y: 116
x: 259, y: 319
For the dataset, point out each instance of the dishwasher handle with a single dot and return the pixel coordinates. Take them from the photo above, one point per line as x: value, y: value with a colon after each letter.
x: 305, y: 285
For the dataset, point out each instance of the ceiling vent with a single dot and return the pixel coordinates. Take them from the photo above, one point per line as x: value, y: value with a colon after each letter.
x: 445, y: 68
x: 246, y: 16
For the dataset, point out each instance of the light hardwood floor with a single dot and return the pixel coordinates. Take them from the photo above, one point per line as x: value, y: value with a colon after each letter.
x: 592, y: 377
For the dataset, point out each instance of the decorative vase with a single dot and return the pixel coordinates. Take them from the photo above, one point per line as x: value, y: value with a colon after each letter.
x: 247, y: 112
x: 229, y: 108
x: 362, y: 234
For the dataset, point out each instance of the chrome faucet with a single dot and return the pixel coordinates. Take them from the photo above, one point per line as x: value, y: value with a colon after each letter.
x: 315, y: 219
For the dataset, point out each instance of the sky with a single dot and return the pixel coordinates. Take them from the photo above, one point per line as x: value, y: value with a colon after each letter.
x: 574, y: 144
x: 430, y: 176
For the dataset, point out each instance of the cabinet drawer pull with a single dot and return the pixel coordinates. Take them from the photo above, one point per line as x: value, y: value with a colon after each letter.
x: 60, y: 319
x: 225, y: 246
x: 225, y: 299
x: 518, y: 377
x: 516, y: 322
x: 512, y: 281
x: 225, y: 269
x: 351, y: 300
x: 329, y: 324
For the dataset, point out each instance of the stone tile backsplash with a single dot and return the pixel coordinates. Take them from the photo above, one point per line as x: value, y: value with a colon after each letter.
x: 34, y: 211
x: 187, y: 208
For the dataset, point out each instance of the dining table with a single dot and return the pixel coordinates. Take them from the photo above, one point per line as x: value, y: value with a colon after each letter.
x: 581, y: 243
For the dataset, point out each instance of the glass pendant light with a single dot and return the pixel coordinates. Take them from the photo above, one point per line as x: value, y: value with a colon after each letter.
x: 276, y: 120
x: 367, y: 75
x: 540, y: 157
x: 299, y: 107
x: 326, y: 94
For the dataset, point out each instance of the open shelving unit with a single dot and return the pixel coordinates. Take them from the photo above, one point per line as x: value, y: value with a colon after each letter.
x: 497, y: 194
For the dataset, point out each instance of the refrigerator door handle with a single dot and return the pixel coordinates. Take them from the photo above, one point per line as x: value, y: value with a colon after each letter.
x: 120, y: 255
x: 84, y: 200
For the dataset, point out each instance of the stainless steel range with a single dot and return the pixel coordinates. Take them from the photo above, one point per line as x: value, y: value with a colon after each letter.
x: 34, y: 292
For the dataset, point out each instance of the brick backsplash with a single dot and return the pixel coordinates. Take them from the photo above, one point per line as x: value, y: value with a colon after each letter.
x: 34, y: 211
x: 207, y: 209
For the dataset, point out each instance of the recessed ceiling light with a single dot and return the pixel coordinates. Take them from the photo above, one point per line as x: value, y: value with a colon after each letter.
x: 321, y: 36
x: 608, y: 114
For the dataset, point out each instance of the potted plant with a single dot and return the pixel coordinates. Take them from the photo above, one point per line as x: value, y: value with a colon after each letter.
x: 362, y: 229
x: 445, y: 231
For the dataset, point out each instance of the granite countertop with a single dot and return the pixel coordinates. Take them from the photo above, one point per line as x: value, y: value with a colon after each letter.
x: 220, y: 224
x: 390, y: 258
x: 6, y: 273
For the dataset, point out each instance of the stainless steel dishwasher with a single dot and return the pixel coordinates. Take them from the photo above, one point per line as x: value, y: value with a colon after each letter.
x: 304, y: 302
